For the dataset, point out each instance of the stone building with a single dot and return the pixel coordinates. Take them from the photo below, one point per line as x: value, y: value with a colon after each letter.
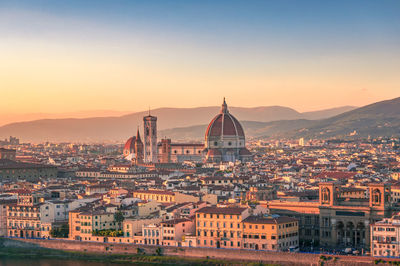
x: 23, y: 217
x: 169, y: 152
x: 385, y: 236
x: 15, y: 170
x: 7, y: 154
x: 4, y: 203
x: 84, y: 223
x: 270, y: 233
x: 220, y: 227
x: 336, y: 222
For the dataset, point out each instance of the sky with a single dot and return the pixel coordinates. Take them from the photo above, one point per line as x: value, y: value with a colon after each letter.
x: 72, y: 56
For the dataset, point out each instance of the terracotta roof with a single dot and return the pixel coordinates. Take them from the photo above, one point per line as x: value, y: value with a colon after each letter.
x: 268, y: 220
x: 336, y: 175
x: 176, y: 221
x: 9, y: 164
x: 187, y: 144
x: 223, y: 210
x: 244, y: 151
x: 163, y: 192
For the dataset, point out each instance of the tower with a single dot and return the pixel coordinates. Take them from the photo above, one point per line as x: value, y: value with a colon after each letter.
x: 328, y: 193
x: 165, y: 156
x: 379, y: 195
x: 138, y: 148
x: 150, y: 139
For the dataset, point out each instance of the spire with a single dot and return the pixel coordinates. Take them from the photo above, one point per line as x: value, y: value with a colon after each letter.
x: 138, y: 135
x: 224, y: 107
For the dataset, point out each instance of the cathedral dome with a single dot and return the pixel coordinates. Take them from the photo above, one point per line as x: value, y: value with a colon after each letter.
x: 129, y: 146
x: 224, y: 124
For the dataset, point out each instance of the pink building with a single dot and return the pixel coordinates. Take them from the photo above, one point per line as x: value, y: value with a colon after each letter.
x: 174, y: 231
x: 385, y: 237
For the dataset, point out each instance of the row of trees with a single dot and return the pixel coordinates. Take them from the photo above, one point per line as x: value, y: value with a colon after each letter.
x: 108, y: 232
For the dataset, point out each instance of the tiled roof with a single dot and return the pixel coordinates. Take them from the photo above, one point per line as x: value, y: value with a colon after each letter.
x: 223, y: 210
x: 268, y: 220
x: 161, y: 192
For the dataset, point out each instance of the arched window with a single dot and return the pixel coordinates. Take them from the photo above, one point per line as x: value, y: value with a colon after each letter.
x: 376, y: 196
x: 326, y: 195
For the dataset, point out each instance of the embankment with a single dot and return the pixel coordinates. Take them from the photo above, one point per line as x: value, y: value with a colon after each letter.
x: 224, y: 254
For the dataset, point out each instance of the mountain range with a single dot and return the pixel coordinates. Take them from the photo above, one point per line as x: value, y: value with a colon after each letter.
x: 119, y: 128
x: 381, y: 118
x: 377, y: 119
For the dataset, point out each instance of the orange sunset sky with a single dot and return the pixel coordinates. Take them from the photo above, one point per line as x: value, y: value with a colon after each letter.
x: 65, y: 57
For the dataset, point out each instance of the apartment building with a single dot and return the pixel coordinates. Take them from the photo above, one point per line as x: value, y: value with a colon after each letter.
x: 151, y: 234
x: 220, y: 227
x: 173, y: 231
x: 270, y: 233
x: 385, y: 235
x: 23, y: 217
x: 83, y: 224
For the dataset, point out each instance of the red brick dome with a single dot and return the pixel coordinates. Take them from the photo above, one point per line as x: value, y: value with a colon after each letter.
x: 224, y: 124
x: 129, y: 146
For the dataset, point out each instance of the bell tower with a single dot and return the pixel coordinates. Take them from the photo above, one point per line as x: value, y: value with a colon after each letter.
x: 379, y: 195
x: 328, y: 193
x: 150, y: 138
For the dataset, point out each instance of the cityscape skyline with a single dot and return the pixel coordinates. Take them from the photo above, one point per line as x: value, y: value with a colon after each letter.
x: 71, y: 56
x: 230, y: 132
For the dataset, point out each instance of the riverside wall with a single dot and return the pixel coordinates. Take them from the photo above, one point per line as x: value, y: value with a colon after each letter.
x: 231, y: 254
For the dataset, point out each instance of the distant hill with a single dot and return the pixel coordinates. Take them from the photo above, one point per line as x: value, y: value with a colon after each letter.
x: 8, y: 118
x: 327, y: 113
x: 378, y: 119
x: 251, y: 128
x: 119, y: 128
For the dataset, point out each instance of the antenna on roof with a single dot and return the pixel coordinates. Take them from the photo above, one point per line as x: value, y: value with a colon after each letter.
x: 149, y: 110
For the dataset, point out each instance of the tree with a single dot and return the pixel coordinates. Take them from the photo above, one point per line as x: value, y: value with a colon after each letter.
x: 119, y: 218
x: 60, y: 232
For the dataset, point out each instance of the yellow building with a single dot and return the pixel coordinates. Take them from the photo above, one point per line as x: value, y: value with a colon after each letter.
x: 220, y: 227
x: 83, y: 224
x: 164, y: 196
x: 270, y: 233
x: 155, y: 195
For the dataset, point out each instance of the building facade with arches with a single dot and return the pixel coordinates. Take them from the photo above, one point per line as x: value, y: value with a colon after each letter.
x: 337, y: 221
